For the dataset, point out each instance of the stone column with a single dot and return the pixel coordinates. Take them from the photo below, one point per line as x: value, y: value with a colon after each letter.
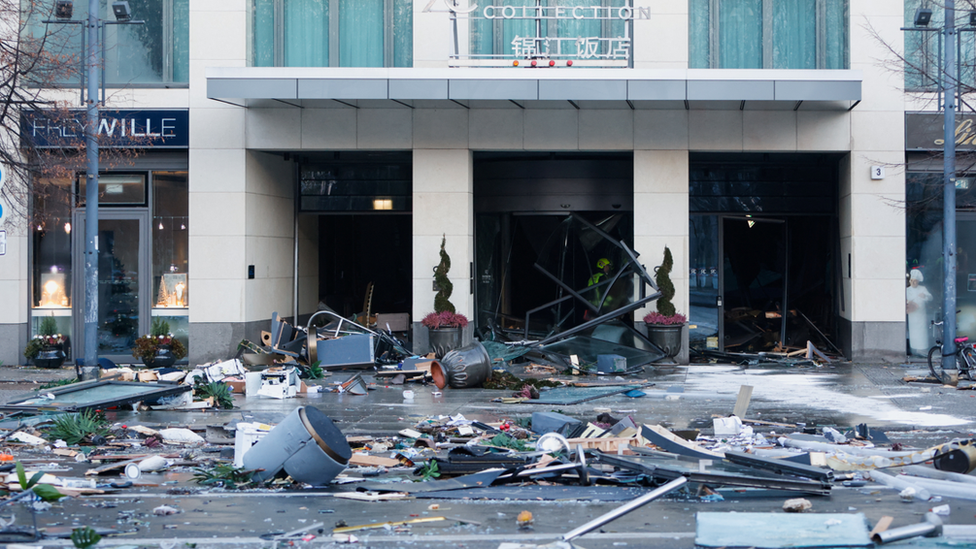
x: 217, y: 186
x: 661, y: 219
x: 443, y: 207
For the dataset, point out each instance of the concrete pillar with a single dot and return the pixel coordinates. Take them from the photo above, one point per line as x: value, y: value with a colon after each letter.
x: 661, y: 42
x: 269, y: 240
x: 14, y: 285
x: 217, y: 186
x: 443, y: 206
x: 432, y: 34
x: 872, y: 215
x: 661, y: 219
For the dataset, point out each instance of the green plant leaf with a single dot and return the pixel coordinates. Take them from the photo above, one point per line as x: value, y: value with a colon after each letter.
x: 85, y: 537
x: 34, y: 479
x: 21, y: 475
x: 47, y: 492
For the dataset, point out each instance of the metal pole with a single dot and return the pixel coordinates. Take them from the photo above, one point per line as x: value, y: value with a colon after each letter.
x: 949, y: 194
x: 624, y: 509
x: 91, y: 192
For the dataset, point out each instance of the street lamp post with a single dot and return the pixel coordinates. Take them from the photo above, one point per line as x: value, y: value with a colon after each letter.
x: 949, y: 193
x: 948, y: 90
x: 93, y: 60
x: 93, y: 56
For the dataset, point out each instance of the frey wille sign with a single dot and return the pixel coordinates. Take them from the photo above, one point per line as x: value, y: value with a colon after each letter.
x: 118, y: 128
x: 925, y: 132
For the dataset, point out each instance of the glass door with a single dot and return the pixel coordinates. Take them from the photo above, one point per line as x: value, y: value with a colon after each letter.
x: 123, y: 283
x: 753, y: 283
x: 966, y: 274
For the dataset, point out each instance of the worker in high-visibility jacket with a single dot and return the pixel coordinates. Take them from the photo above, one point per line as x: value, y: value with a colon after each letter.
x: 604, y: 267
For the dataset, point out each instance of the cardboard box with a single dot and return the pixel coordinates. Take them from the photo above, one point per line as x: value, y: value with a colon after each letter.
x: 236, y: 385
x: 398, y: 322
x: 147, y: 375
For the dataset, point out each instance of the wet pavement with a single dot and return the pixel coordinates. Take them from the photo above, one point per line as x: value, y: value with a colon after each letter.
x: 913, y: 414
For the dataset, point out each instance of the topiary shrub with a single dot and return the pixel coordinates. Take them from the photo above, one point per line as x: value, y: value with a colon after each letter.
x: 662, y: 277
x: 442, y: 301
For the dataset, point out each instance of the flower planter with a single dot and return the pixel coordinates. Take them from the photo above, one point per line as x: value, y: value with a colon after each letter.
x: 444, y: 340
x: 467, y: 366
x: 163, y: 359
x: 49, y: 357
x: 666, y: 336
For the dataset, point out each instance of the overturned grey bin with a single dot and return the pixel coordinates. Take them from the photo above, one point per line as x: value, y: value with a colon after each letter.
x: 306, y: 444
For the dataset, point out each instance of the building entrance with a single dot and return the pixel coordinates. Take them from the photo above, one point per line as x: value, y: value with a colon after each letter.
x: 763, y: 273
x: 522, y: 202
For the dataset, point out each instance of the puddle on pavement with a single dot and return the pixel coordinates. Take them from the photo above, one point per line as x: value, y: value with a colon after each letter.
x: 813, y: 391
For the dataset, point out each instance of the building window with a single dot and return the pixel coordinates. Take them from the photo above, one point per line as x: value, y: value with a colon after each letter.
x: 51, y: 269
x: 924, y: 49
x: 170, y: 252
x: 510, y: 34
x: 768, y: 34
x: 156, y: 52
x: 331, y: 33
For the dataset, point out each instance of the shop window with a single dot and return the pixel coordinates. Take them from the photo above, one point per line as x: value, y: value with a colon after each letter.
x: 331, y: 33
x: 170, y: 252
x: 768, y: 34
x: 924, y: 49
x: 51, y: 269
x: 516, y: 37
x: 923, y: 253
x: 156, y: 52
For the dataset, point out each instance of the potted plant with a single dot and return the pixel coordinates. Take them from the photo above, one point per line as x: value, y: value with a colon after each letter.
x: 158, y: 348
x: 46, y: 349
x: 445, y: 324
x: 664, y: 326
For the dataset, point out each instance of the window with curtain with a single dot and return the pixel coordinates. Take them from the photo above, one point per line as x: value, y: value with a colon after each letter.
x: 924, y: 48
x: 156, y: 52
x: 768, y: 34
x: 331, y: 33
x: 501, y: 37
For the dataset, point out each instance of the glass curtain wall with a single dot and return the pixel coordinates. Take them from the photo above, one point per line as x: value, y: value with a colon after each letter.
x: 924, y: 48
x: 156, y: 52
x: 768, y: 34
x: 331, y: 33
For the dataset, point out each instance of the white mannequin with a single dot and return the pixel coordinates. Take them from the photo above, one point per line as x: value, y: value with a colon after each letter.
x: 918, y: 322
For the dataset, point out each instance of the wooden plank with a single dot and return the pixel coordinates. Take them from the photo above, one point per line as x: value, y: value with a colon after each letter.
x: 363, y: 460
x: 371, y: 496
x: 742, y: 402
x: 882, y: 525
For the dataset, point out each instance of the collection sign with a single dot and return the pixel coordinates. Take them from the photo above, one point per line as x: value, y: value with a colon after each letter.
x: 168, y: 129
x: 546, y: 44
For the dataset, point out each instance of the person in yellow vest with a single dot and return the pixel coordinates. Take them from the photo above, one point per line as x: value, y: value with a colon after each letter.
x: 604, y: 267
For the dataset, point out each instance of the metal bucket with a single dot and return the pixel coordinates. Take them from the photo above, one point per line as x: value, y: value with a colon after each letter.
x: 306, y: 444
x: 467, y: 367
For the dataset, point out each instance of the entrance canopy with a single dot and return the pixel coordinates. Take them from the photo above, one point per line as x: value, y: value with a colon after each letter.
x: 541, y: 87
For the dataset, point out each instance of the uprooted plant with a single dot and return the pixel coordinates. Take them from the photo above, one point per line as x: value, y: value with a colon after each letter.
x: 44, y: 491
x: 74, y: 428
x: 429, y: 471
x: 220, y: 392
x: 225, y: 475
x: 85, y: 537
